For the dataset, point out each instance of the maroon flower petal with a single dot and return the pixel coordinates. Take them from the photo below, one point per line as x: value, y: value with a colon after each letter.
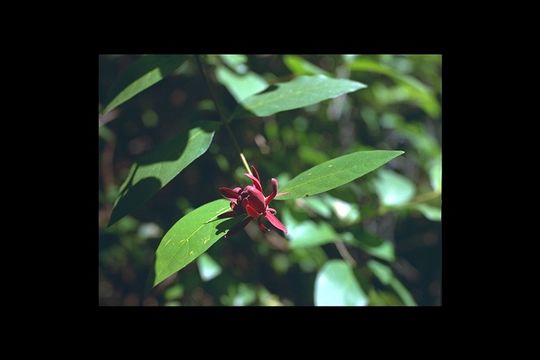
x: 274, y: 192
x: 236, y: 228
x: 275, y: 221
x: 256, y: 181
x: 255, y: 172
x: 252, y: 212
x: 262, y: 227
x: 228, y: 193
x: 256, y: 199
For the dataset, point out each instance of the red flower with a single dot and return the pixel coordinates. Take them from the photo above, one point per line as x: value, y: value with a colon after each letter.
x: 251, y: 201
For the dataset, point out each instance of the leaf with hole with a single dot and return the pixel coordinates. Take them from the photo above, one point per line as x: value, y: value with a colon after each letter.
x: 191, y: 236
x: 157, y: 168
x: 140, y: 75
x: 335, y: 172
x: 336, y: 285
x: 300, y: 92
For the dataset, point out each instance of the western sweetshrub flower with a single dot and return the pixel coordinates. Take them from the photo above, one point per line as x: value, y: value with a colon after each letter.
x: 250, y: 202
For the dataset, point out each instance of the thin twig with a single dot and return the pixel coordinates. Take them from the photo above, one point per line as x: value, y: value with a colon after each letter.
x: 224, y: 119
x: 345, y: 254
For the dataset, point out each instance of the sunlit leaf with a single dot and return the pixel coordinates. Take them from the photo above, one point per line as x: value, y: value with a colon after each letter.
x: 157, y: 168
x: 300, y: 66
x: 430, y: 212
x: 300, y: 92
x: 393, y: 189
x: 143, y: 73
x: 191, y: 236
x: 435, y: 174
x: 208, y: 268
x: 240, y: 86
x: 409, y: 85
x: 335, y: 172
x: 336, y: 285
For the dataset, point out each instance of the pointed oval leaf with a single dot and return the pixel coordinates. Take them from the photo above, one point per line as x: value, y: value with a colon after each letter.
x: 335, y: 172
x: 191, y: 236
x: 143, y: 73
x: 300, y: 92
x: 336, y: 285
x: 157, y: 168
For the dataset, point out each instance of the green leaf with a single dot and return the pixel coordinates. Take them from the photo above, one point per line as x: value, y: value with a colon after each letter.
x: 299, y: 66
x: 386, y: 276
x: 174, y: 292
x: 435, y: 174
x: 300, y: 92
x: 370, y: 243
x: 319, y: 206
x: 191, y: 236
x: 393, y: 189
x: 335, y: 172
x: 236, y: 61
x: 240, y: 86
x: 412, y: 87
x: 307, y: 233
x: 383, y: 272
x: 430, y: 212
x: 336, y: 285
x: 155, y: 169
x: 208, y: 268
x: 143, y: 73
x: 402, y: 292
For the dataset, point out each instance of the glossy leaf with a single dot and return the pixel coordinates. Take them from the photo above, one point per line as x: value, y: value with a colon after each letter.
x: 393, y: 189
x: 300, y: 66
x: 335, y: 172
x: 156, y: 169
x: 240, y: 86
x: 143, y: 73
x: 191, y: 236
x: 300, y: 92
x: 336, y: 285
x: 208, y: 268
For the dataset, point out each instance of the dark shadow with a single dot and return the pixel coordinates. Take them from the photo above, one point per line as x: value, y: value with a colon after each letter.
x: 267, y: 90
x: 367, y: 238
x: 228, y: 224
x: 134, y: 196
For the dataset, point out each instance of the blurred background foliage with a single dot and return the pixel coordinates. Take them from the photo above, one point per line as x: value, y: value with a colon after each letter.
x: 388, y: 220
